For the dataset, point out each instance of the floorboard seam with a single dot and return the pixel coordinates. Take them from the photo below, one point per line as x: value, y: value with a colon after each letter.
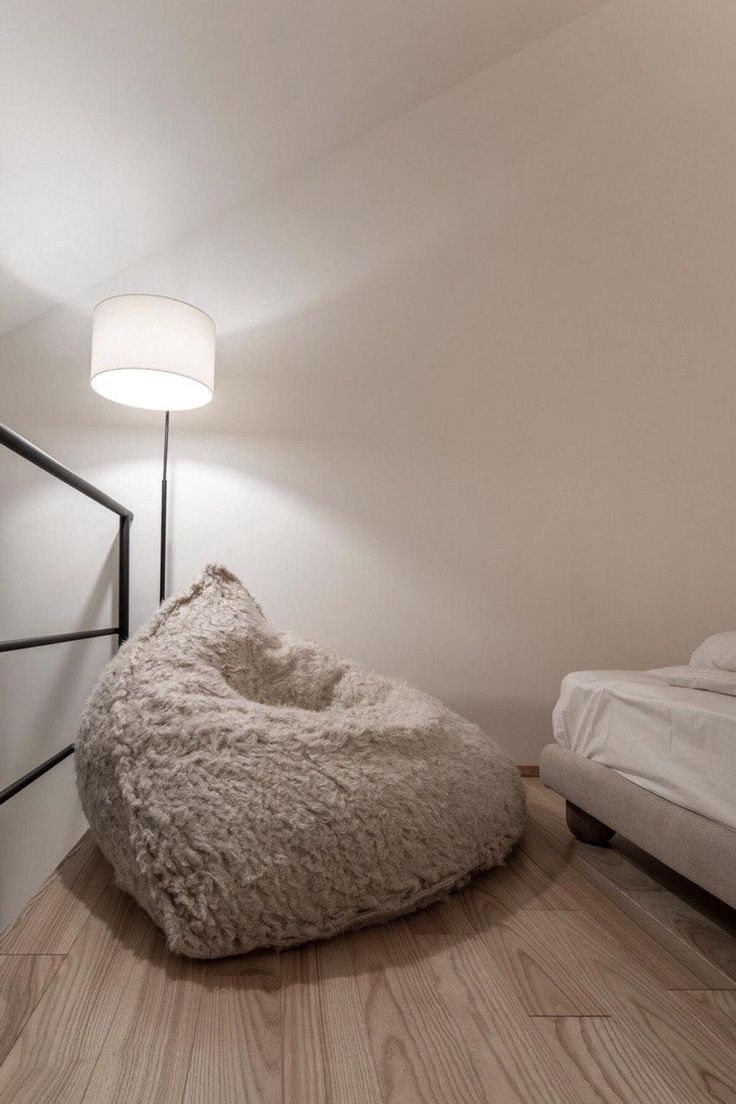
x: 706, y: 989
x: 569, y: 1016
x: 33, y: 954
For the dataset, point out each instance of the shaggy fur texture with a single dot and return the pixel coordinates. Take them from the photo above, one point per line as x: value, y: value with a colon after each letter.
x: 252, y: 790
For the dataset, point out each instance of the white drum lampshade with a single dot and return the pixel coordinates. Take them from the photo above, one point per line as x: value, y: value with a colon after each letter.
x: 153, y: 352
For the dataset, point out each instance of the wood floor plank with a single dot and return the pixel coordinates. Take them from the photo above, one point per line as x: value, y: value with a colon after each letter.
x: 442, y: 918
x: 679, y: 965
x: 147, y: 1049
x: 679, y: 1049
x: 522, y: 884
x: 418, y: 1049
x: 53, y: 918
x: 352, y: 1077
x: 68, y: 1027
x: 603, y: 1064
x: 304, y: 1071
x: 615, y: 871
x: 615, y: 865
x: 23, y: 979
x: 63, y: 1083
x: 715, y: 1008
x: 236, y: 1056
x: 515, y: 1064
x: 545, y: 986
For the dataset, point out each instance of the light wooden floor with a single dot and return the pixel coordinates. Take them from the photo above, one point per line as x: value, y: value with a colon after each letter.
x: 573, y: 974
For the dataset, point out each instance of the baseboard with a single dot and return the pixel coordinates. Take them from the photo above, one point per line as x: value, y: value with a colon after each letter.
x: 529, y: 771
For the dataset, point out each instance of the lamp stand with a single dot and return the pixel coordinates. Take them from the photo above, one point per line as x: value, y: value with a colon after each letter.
x: 162, y: 564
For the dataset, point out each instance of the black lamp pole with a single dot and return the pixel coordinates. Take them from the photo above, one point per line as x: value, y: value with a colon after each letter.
x: 162, y: 566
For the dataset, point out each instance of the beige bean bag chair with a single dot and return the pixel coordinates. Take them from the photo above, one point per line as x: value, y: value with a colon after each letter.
x: 252, y: 790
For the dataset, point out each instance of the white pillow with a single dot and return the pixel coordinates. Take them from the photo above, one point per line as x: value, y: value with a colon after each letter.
x: 717, y: 651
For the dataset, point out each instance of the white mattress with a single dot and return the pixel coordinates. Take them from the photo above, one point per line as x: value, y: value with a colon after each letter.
x: 676, y: 742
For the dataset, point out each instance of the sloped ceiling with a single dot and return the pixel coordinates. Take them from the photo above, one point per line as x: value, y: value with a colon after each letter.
x: 126, y: 125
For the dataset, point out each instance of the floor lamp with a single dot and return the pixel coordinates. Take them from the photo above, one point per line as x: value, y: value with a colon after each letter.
x: 155, y: 353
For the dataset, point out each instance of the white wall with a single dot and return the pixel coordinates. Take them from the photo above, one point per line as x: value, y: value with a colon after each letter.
x: 474, y: 414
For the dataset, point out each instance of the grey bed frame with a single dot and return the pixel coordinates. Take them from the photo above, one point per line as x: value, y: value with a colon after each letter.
x: 600, y: 802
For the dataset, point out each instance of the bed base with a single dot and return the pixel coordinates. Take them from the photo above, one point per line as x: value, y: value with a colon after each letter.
x: 603, y: 801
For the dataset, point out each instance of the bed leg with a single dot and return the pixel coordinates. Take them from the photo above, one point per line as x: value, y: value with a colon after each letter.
x: 585, y: 827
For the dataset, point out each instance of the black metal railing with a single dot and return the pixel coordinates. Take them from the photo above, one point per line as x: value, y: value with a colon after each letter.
x: 40, y: 459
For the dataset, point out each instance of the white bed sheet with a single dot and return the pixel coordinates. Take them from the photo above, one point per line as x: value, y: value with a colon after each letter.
x: 678, y: 743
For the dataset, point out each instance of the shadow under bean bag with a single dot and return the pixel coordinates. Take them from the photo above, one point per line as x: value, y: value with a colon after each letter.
x: 250, y: 789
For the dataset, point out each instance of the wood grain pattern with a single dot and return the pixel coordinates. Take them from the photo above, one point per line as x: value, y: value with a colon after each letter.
x: 522, y: 884
x: 303, y: 1042
x: 53, y: 918
x: 557, y: 979
x: 515, y: 1064
x: 41, y: 1083
x: 418, y: 1047
x: 684, y: 1055
x: 23, y: 978
x: 679, y: 963
x: 147, y: 1048
x: 545, y: 986
x: 67, y: 1029
x: 601, y: 1062
x: 236, y: 1055
x: 352, y: 1074
x: 714, y: 1008
x: 612, y: 868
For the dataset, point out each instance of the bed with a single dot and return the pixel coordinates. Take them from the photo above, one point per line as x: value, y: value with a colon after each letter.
x: 652, y: 755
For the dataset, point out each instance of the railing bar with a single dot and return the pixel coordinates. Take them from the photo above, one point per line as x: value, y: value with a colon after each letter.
x: 41, y: 459
x: 21, y: 783
x: 58, y: 638
x: 124, y: 580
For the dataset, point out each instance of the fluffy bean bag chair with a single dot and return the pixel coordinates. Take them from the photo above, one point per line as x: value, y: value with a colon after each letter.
x: 252, y: 790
